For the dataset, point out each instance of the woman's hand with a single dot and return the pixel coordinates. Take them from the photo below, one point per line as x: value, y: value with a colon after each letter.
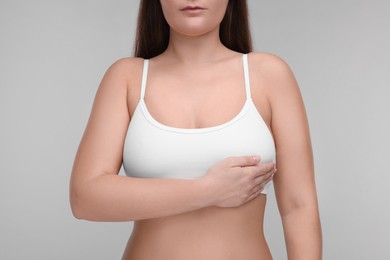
x: 237, y: 180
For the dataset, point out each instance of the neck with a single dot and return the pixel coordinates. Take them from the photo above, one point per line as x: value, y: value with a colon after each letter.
x: 194, y: 50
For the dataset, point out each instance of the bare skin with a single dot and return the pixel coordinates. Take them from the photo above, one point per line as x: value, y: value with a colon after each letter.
x: 210, y: 232
x: 219, y: 216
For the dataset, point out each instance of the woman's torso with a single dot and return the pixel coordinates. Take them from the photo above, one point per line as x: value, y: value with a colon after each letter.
x: 208, y: 233
x: 213, y: 232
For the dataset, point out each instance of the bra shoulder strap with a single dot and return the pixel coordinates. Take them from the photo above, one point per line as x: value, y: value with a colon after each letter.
x: 144, y: 78
x: 246, y: 76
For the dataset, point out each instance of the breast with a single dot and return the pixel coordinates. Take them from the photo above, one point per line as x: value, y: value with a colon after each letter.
x: 153, y: 150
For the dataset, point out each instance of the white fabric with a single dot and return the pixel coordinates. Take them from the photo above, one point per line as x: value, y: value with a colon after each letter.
x: 154, y: 150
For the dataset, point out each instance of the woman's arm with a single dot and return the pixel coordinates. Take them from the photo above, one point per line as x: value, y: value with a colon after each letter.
x: 294, y: 182
x: 98, y: 193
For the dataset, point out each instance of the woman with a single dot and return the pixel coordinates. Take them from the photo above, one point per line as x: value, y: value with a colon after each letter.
x: 196, y: 122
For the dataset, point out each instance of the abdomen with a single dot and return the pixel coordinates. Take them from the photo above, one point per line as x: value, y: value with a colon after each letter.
x: 208, y: 233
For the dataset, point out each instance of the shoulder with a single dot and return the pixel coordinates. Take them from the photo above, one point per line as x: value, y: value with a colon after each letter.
x: 274, y: 72
x: 270, y: 66
x: 125, y: 67
x: 123, y: 73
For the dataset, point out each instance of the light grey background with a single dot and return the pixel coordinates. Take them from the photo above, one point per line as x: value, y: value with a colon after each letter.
x: 53, y: 55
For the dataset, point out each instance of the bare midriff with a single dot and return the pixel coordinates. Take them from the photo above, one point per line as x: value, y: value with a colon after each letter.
x: 209, y: 233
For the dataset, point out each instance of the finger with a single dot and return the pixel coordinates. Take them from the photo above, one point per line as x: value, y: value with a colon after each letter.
x: 242, y: 161
x: 262, y: 178
x: 265, y: 178
x: 265, y: 181
x: 264, y: 168
x: 255, y: 193
x: 256, y: 188
x: 259, y: 169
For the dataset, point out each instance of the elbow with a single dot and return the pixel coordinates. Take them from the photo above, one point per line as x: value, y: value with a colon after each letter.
x: 77, y: 204
x: 84, y: 204
x: 80, y: 197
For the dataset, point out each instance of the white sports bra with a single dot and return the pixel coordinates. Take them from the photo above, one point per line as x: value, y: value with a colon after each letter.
x: 155, y: 150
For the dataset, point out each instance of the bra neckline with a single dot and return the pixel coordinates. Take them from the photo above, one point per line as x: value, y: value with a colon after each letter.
x: 152, y: 120
x: 156, y: 123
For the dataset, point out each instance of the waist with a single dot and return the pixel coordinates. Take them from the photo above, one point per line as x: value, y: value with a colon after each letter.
x: 213, y: 230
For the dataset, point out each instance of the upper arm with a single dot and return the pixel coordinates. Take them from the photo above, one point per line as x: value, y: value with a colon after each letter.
x: 100, y: 150
x: 294, y: 181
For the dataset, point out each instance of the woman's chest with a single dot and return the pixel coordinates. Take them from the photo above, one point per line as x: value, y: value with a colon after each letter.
x: 155, y: 150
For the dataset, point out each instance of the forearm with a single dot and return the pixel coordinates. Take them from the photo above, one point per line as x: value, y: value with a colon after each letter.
x: 302, y: 231
x: 119, y: 198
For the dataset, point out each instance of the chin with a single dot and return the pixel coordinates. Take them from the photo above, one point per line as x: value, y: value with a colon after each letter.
x: 194, y: 31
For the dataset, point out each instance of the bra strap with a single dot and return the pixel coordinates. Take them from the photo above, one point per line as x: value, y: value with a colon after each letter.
x: 246, y: 76
x: 144, y: 78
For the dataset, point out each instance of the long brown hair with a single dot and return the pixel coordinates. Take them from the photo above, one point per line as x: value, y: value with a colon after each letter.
x: 152, y: 36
